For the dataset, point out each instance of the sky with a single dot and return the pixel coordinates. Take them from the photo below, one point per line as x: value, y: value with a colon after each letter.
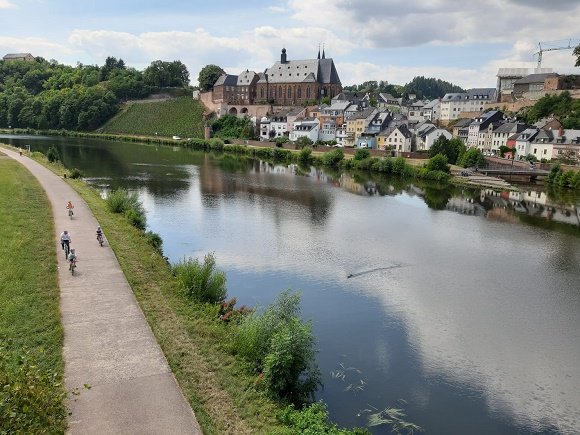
x: 460, y: 41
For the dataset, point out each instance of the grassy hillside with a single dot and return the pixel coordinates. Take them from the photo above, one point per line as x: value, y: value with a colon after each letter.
x: 180, y: 116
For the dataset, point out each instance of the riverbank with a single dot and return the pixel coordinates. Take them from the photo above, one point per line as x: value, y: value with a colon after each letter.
x: 198, y: 346
x: 268, y: 150
x: 31, y: 334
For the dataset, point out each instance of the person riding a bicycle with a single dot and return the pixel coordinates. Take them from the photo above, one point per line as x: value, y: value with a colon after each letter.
x: 72, y: 258
x: 70, y: 207
x: 99, y: 233
x: 64, y: 238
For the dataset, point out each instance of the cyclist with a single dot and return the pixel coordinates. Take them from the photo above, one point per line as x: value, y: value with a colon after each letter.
x: 70, y: 207
x: 65, y: 239
x: 72, y: 258
x: 99, y: 234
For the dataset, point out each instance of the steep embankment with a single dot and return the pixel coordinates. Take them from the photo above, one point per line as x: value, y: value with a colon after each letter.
x: 181, y: 116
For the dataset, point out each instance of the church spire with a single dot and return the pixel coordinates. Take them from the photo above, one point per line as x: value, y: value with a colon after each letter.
x: 323, y: 55
x: 318, y: 51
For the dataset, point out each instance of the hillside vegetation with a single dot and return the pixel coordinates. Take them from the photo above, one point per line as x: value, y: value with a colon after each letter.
x: 180, y: 116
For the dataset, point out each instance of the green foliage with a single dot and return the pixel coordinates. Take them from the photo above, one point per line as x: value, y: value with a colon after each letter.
x: 566, y: 179
x: 437, y: 163
x: 75, y: 173
x: 230, y: 126
x: 450, y: 148
x: 281, y: 140
x: 503, y: 150
x: 181, y: 116
x: 576, y: 53
x: 430, y: 88
x: 280, y: 346
x: 303, y: 141
x: 201, y: 281
x: 305, y: 154
x: 530, y: 158
x: 52, y: 154
x: 121, y: 201
x: 472, y: 158
x: 166, y: 74
x: 313, y: 420
x: 333, y: 158
x: 361, y: 154
x: 208, y: 76
x: 155, y: 240
x: 562, y: 106
x: 325, y: 100
x: 31, y: 398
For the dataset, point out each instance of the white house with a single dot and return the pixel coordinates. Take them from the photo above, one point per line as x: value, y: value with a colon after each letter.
x: 523, y: 141
x: 305, y: 128
x: 427, y: 134
x: 432, y: 110
x: 397, y: 137
x: 453, y: 104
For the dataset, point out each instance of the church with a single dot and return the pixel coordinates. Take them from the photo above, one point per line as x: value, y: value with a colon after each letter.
x: 286, y: 83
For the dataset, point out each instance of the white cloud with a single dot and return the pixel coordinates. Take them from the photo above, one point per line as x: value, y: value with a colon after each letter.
x: 5, y: 4
x: 277, y: 9
x: 36, y: 46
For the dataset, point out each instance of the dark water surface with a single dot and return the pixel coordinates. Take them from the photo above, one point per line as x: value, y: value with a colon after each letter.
x: 463, y: 306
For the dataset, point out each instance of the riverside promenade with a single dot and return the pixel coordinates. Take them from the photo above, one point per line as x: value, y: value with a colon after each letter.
x: 117, y: 377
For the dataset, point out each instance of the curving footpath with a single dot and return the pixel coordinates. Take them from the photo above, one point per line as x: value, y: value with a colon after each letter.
x: 121, y: 381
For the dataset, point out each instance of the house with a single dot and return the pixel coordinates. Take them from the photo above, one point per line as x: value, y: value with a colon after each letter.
x: 331, y: 118
x: 359, y: 99
x: 502, y: 133
x: 523, y: 140
x: 530, y: 83
x: 275, y: 126
x: 305, y: 128
x: 481, y: 124
x: 415, y: 112
x: 550, y: 144
x: 224, y: 89
x: 453, y: 104
x: 10, y: 57
x: 396, y: 137
x: 549, y: 123
x: 426, y: 134
x: 379, y: 122
x: 432, y: 110
x: 293, y: 82
x: 357, y: 123
x: 506, y: 77
x: 246, y: 87
x: 388, y: 102
x: 294, y: 114
x: 461, y: 129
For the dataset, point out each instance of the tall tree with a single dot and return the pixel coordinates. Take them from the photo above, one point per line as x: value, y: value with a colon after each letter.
x: 208, y: 76
x: 164, y: 74
x: 576, y: 53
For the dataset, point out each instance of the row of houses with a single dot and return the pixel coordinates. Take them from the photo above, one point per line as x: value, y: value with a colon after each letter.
x: 350, y: 122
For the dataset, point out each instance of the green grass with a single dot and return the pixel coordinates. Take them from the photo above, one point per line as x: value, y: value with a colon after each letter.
x: 197, y: 345
x: 30, y: 327
x: 181, y: 116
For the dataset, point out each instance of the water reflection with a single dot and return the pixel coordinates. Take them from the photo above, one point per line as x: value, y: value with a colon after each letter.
x: 463, y: 302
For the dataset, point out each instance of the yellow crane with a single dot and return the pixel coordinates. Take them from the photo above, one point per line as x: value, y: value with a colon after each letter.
x: 555, y: 45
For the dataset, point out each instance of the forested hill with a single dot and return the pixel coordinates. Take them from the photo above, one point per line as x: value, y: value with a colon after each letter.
x: 47, y: 95
x: 422, y: 87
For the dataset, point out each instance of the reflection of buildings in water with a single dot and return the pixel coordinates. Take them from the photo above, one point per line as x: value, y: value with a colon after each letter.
x: 465, y: 205
x: 532, y: 203
x: 267, y: 181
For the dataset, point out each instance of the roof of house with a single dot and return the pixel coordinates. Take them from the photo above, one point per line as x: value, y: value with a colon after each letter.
x: 362, y: 114
x: 431, y: 104
x: 471, y: 94
x: 16, y: 56
x: 545, y: 121
x: 295, y: 111
x: 388, y: 98
x: 463, y: 122
x: 511, y: 127
x: 303, y: 71
x: 338, y: 105
x: 534, y: 78
x: 527, y: 134
x: 227, y: 80
x: 246, y: 78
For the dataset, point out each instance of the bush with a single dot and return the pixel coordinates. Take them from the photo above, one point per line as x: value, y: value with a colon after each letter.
x: 281, y: 347
x: 472, y: 158
x: 121, y: 201
x: 304, y: 155
x: 75, y: 173
x: 437, y: 163
x: 31, y: 399
x: 155, y: 240
x: 332, y: 158
x: 201, y: 281
x: 280, y: 154
x: 361, y: 154
x: 52, y: 154
x: 216, y: 144
x: 313, y: 420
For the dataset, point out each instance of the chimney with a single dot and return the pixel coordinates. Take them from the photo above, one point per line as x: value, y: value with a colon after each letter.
x: 283, y: 56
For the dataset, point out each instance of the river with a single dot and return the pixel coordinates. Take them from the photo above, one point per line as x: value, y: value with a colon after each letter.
x: 462, y: 306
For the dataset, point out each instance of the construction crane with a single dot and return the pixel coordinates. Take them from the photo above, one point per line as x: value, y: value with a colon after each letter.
x: 554, y: 45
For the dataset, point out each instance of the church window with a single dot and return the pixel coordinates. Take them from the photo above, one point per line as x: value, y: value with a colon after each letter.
x: 299, y: 92
x: 280, y: 91
x: 289, y: 92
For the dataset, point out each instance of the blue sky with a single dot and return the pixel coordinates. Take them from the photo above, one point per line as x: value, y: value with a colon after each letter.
x: 464, y: 42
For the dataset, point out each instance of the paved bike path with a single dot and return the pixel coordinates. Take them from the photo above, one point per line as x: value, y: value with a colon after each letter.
x: 111, y: 357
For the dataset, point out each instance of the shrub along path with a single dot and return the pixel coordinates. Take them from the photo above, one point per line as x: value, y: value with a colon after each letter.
x: 120, y: 377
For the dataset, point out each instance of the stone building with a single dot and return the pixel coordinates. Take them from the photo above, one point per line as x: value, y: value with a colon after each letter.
x: 293, y: 82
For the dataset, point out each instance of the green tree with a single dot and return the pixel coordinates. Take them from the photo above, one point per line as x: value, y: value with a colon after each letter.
x: 451, y: 148
x: 208, y: 76
x: 166, y: 74
x: 472, y: 158
x: 438, y: 163
x: 576, y: 53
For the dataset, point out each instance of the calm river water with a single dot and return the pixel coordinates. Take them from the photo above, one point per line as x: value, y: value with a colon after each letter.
x: 463, y: 306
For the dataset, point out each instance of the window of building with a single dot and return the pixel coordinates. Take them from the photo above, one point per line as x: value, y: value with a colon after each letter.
x: 289, y: 92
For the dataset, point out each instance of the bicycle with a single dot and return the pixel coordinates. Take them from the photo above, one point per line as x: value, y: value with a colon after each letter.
x: 66, y: 247
x: 70, y: 213
x: 100, y: 239
x: 72, y: 265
